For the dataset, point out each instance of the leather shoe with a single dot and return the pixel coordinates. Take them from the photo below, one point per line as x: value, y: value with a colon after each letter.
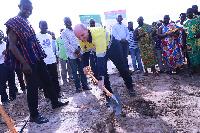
x: 59, y: 104
x: 131, y: 92
x: 39, y: 119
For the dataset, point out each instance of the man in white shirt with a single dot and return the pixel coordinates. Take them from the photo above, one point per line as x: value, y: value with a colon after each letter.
x: 46, y: 42
x: 74, y: 54
x: 120, y: 33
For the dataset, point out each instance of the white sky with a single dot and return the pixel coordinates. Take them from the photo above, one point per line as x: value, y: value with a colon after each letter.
x: 53, y: 11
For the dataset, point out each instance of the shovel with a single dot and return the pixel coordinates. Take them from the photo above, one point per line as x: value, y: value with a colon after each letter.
x: 115, y: 103
x: 8, y: 120
x: 21, y: 130
x: 116, y: 107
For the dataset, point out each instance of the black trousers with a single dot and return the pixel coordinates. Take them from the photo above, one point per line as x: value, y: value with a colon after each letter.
x: 52, y: 69
x: 7, y: 74
x: 39, y: 69
x: 125, y: 50
x: 114, y: 53
x: 20, y: 78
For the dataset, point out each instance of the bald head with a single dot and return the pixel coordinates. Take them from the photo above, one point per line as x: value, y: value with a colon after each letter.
x: 81, y: 32
x: 79, y: 27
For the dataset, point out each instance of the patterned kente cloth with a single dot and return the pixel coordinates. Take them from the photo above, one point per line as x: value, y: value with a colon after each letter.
x: 193, y: 43
x: 172, y: 48
x: 27, y: 43
x: 147, y: 45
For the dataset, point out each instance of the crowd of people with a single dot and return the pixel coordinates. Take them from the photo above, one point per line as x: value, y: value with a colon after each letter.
x: 36, y: 57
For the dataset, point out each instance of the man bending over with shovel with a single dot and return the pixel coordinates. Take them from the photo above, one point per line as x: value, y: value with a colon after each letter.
x: 98, y: 39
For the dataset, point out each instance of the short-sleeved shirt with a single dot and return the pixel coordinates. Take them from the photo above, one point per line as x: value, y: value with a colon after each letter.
x: 120, y: 31
x: 132, y: 43
x: 46, y: 42
x: 99, y: 40
x: 71, y: 43
x: 62, y: 49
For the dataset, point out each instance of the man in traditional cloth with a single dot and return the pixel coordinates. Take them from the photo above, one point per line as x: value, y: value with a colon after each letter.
x: 171, y: 44
x: 145, y: 33
x: 23, y: 50
x: 192, y: 39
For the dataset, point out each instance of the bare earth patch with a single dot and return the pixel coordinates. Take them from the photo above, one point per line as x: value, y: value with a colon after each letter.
x: 163, y: 104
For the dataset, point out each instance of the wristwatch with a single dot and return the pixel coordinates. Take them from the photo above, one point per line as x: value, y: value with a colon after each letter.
x: 101, y: 78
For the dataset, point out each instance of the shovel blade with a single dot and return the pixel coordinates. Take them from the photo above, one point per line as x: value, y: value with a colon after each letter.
x: 115, y: 103
x: 114, y: 98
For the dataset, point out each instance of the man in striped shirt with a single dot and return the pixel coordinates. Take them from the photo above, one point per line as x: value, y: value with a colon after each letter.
x: 24, y: 51
x: 134, y: 49
x: 74, y: 55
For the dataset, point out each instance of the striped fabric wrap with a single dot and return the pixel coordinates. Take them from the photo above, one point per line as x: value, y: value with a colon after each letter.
x: 27, y: 43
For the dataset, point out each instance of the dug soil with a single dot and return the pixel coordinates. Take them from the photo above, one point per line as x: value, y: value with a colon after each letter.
x: 163, y: 104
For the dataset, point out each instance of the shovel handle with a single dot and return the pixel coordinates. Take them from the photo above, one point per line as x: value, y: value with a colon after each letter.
x: 8, y: 120
x: 91, y: 74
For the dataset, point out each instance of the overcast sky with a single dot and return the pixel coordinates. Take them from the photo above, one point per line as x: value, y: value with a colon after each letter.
x: 54, y: 11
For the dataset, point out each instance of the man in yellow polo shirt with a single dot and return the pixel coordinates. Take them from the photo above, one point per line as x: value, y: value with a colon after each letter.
x: 98, y: 39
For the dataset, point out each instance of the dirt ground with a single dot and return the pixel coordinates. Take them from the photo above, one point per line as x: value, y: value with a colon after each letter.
x: 163, y: 104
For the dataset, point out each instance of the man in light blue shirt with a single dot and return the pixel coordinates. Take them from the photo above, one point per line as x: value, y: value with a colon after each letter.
x: 120, y: 33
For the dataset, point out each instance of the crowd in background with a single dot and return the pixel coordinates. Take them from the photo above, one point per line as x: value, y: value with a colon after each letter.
x: 166, y: 43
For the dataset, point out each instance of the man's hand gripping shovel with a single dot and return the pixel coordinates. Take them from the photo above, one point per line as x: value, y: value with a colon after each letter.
x: 115, y: 103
